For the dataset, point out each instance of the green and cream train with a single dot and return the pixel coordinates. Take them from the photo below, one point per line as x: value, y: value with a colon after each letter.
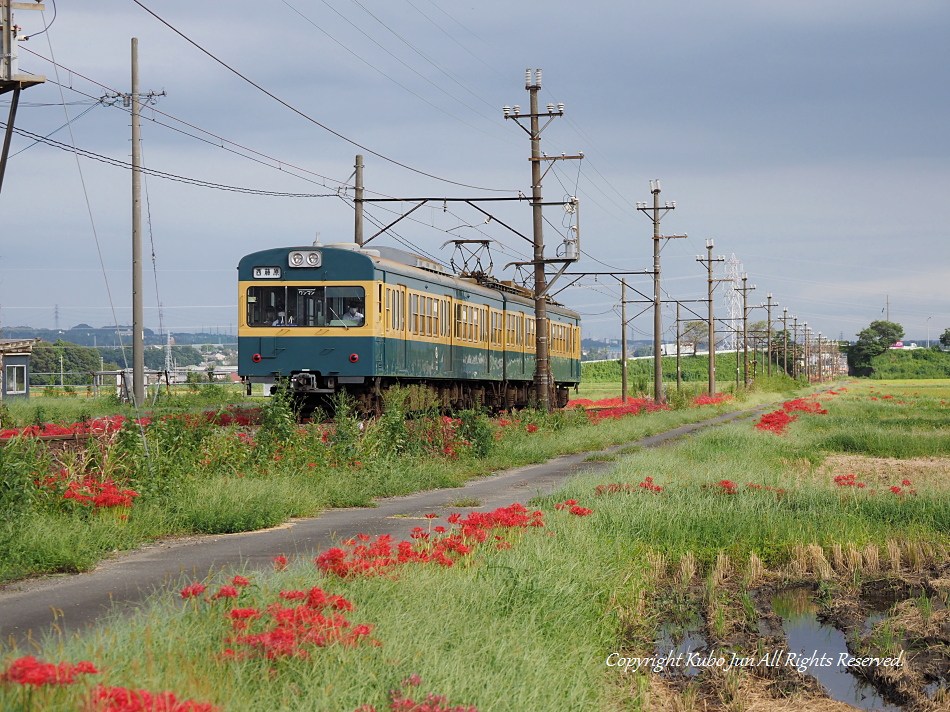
x: 327, y: 318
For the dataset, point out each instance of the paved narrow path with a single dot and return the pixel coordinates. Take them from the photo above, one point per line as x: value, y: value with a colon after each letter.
x: 33, y: 609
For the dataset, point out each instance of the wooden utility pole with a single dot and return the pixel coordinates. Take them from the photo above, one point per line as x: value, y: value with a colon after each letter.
x: 679, y: 370
x: 785, y: 340
x: 745, y: 329
x: 768, y: 343
x: 542, y: 371
x: 658, y: 213
x: 623, y: 341
x: 358, y: 202
x: 711, y: 319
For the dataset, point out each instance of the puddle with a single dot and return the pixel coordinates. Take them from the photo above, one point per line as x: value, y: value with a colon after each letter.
x: 681, y: 640
x: 820, y: 647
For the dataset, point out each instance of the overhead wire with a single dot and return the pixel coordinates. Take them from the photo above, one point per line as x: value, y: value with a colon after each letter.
x: 309, y: 118
x: 163, y: 174
x: 155, y: 110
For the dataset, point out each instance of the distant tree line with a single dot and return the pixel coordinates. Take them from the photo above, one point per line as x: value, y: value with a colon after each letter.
x: 85, y: 335
x: 51, y: 359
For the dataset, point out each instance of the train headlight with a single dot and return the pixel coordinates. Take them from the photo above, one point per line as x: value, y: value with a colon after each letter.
x: 305, y: 258
x: 354, y: 358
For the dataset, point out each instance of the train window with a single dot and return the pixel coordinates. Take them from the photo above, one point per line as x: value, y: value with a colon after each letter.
x: 346, y: 306
x: 266, y: 305
x: 305, y: 306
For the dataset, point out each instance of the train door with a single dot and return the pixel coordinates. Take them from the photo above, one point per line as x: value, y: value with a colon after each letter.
x: 395, y: 328
x: 446, y: 321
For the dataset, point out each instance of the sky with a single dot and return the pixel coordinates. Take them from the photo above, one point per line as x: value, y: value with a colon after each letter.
x: 807, y: 139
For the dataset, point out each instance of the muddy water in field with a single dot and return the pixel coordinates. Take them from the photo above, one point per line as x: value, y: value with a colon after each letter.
x: 681, y: 640
x: 819, y: 647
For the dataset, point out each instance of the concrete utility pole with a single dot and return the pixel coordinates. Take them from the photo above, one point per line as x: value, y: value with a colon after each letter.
x: 711, y: 321
x: 658, y: 213
x: 138, y: 313
x: 819, y: 358
x: 358, y: 202
x: 136, y: 100
x: 10, y: 77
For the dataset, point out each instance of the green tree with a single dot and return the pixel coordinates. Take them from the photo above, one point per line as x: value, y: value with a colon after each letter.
x: 873, y: 341
x: 77, y: 362
x: 695, y: 332
x: 945, y: 339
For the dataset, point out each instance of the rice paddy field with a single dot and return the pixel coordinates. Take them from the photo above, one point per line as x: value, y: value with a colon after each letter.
x: 799, y: 560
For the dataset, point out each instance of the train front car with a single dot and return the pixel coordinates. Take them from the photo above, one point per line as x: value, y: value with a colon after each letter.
x: 337, y: 317
x: 306, y: 318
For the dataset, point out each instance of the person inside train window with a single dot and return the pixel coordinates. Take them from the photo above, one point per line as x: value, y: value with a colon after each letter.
x: 353, y: 314
x: 280, y: 320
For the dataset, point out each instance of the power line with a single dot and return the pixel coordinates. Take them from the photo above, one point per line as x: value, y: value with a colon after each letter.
x: 310, y: 118
x: 162, y: 174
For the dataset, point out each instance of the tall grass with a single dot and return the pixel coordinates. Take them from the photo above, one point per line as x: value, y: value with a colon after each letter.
x: 530, y: 627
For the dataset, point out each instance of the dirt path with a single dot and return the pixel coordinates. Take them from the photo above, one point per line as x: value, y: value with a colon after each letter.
x: 37, y: 608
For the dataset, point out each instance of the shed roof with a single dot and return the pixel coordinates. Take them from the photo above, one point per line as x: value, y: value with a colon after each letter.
x: 17, y: 346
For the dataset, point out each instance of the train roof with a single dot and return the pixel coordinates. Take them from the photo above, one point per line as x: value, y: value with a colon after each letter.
x: 393, y: 259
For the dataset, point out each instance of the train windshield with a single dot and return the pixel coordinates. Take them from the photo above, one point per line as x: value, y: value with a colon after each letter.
x: 274, y: 305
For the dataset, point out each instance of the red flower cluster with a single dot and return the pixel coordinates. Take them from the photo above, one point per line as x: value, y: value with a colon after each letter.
x: 723, y: 486
x: 99, y: 495
x: 122, y: 699
x: 776, y: 422
x: 99, y: 426
x: 30, y: 671
x: 291, y: 631
x: 848, y: 481
x: 648, y: 485
x: 803, y: 405
x: 711, y: 400
x: 193, y: 590
x: 778, y: 490
x: 365, y: 557
x: 572, y: 506
x: 634, y: 407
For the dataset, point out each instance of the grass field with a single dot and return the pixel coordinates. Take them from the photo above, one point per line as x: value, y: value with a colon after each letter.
x: 848, y: 506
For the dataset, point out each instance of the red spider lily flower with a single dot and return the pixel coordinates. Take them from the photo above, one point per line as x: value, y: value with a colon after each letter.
x: 193, y: 590
x: 279, y: 562
x: 895, y: 489
x: 243, y: 613
x: 30, y: 671
x: 225, y: 592
x: 581, y: 511
x: 431, y: 516
x: 121, y: 699
x: 412, y: 680
x: 532, y: 428
x: 240, y: 581
x: 292, y: 595
x: 906, y: 483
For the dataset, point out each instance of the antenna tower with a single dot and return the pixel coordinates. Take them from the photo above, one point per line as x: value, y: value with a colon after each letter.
x: 733, y: 301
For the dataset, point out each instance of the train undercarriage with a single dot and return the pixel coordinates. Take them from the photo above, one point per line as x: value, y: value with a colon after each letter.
x: 311, y: 391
